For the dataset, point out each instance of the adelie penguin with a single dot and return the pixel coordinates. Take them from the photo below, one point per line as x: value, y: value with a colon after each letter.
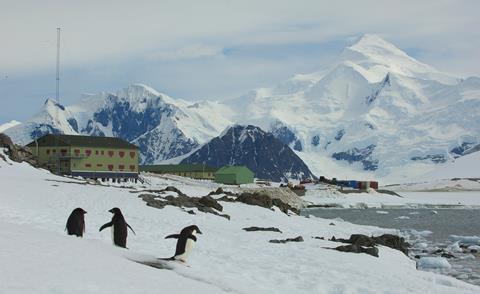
x: 76, y: 222
x: 186, y: 240
x: 119, y: 228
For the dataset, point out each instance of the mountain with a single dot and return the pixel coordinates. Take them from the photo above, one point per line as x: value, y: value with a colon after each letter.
x: 162, y: 127
x: 260, y: 151
x: 375, y: 112
x: 8, y: 125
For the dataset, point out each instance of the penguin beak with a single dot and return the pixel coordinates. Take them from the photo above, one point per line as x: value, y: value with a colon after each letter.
x: 199, y: 232
x: 111, y: 210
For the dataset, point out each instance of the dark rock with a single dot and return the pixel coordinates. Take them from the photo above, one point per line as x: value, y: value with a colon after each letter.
x: 191, y: 212
x: 417, y: 256
x: 353, y: 248
x: 183, y: 201
x: 174, y: 189
x: 331, y: 224
x: 388, y: 240
x: 211, y: 202
x: 265, y: 201
x: 447, y: 255
x: 283, y: 241
x: 319, y: 238
x: 254, y: 229
x: 17, y: 153
x: 473, y: 251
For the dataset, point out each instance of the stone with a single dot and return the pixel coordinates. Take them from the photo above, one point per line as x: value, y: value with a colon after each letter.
x: 208, y: 201
x: 296, y: 239
x: 358, y: 249
x: 254, y: 229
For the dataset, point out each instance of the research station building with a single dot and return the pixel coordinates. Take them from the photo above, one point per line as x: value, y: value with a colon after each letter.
x: 87, y: 156
x: 194, y: 171
x: 234, y: 175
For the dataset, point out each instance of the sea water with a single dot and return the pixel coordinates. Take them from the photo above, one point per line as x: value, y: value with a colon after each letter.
x: 428, y: 230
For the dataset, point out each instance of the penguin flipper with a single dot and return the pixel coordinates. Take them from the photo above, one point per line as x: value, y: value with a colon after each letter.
x: 131, y: 229
x: 193, y: 238
x: 173, y: 236
x: 105, y: 226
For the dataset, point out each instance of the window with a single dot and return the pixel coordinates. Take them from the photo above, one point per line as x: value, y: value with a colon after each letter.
x: 96, y: 152
x: 102, y: 152
x: 77, y: 152
x: 132, y: 154
x: 88, y: 165
x: 132, y: 167
x: 99, y: 165
x: 110, y: 153
x: 121, y: 153
x: 121, y: 166
x: 48, y: 151
x: 88, y: 152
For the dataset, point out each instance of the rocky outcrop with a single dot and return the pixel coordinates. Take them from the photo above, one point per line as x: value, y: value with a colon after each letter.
x: 388, y: 240
x: 205, y: 204
x: 256, y: 229
x: 17, y: 153
x: 373, y: 251
x: 283, y: 241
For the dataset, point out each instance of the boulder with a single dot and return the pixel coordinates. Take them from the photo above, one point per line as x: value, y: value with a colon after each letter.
x: 353, y: 248
x: 296, y: 239
x: 255, y: 229
x: 17, y: 153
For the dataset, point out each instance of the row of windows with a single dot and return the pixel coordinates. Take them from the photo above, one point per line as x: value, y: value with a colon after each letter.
x: 88, y: 152
x: 110, y: 166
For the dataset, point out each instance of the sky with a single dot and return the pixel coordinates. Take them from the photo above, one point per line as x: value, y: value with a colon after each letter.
x: 212, y: 50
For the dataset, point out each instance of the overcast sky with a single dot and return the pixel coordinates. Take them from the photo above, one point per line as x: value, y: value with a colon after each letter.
x: 211, y: 49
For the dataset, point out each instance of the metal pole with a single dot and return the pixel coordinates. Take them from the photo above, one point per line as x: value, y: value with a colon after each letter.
x: 57, y: 94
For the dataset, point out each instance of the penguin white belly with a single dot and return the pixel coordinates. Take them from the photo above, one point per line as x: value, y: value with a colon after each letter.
x: 188, y: 249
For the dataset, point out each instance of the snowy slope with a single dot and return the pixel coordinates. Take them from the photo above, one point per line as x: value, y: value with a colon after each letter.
x: 225, y: 259
x: 467, y: 166
x: 7, y: 125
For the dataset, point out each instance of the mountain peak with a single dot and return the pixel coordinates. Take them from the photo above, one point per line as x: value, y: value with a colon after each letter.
x: 374, y: 44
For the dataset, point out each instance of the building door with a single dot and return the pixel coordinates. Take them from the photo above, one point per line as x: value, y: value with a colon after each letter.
x: 64, y: 166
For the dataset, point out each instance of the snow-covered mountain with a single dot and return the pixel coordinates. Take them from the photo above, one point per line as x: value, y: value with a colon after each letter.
x: 161, y: 126
x: 260, y: 151
x: 373, y: 113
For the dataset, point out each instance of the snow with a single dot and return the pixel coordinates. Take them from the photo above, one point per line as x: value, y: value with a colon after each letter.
x: 433, y: 263
x: 463, y: 167
x: 372, y: 199
x: 37, y: 256
x: 9, y: 124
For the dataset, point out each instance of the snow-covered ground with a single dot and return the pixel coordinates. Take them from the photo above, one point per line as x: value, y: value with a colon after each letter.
x: 37, y: 256
x: 421, y: 197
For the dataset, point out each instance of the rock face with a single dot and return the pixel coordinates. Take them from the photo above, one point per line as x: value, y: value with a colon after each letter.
x: 283, y: 241
x: 388, y: 240
x: 260, y: 151
x: 17, y: 153
x: 373, y: 251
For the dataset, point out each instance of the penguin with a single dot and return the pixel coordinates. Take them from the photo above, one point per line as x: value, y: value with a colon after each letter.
x: 119, y: 228
x: 76, y: 222
x: 186, y: 240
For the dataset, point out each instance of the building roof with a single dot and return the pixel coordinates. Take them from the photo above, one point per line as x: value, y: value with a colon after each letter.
x: 82, y: 141
x: 165, y: 168
x: 233, y: 169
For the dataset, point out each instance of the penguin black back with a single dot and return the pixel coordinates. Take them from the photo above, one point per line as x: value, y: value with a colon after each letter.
x: 119, y: 228
x: 186, y: 240
x: 76, y: 222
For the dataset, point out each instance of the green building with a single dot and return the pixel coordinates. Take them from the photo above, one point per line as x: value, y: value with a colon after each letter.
x: 234, y: 175
x: 87, y: 156
x: 195, y: 171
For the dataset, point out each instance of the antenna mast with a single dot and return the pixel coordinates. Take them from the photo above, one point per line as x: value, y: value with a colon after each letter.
x: 57, y: 93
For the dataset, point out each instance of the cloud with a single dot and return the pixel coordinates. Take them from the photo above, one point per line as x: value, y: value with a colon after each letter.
x: 212, y: 49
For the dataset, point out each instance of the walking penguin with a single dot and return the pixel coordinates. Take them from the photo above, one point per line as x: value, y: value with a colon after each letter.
x: 186, y: 240
x: 76, y: 222
x: 119, y: 228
